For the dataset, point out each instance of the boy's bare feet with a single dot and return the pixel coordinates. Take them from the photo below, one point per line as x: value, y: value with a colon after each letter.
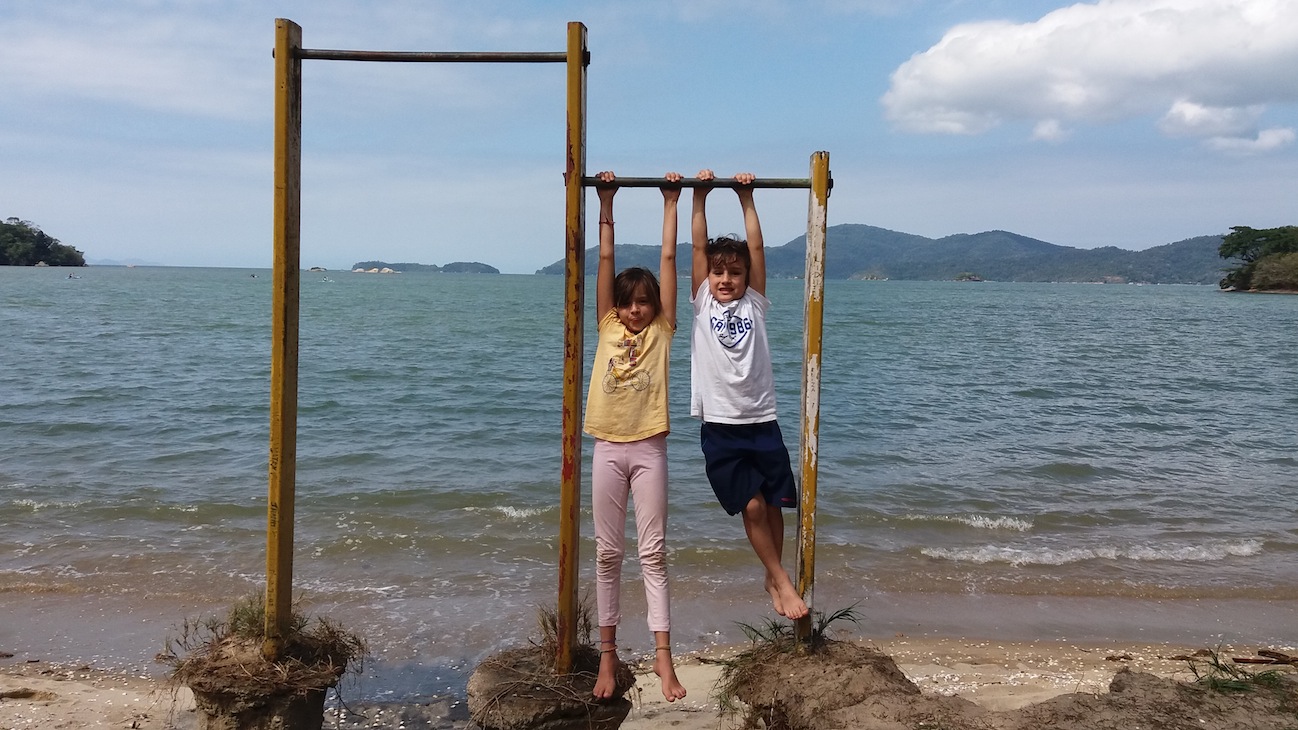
x: 606, y: 682
x: 672, y: 688
x: 786, y: 599
x: 774, y: 592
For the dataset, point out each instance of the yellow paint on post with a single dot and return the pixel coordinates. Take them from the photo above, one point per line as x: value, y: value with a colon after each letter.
x: 813, y: 317
x: 284, y: 334
x: 574, y: 310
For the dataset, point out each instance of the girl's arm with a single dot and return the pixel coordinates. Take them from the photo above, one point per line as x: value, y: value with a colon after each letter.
x: 607, y: 271
x: 753, y: 231
x: 667, y: 265
x: 699, y: 234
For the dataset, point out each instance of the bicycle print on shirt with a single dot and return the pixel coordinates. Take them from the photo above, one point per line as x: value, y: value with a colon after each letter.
x: 621, y: 372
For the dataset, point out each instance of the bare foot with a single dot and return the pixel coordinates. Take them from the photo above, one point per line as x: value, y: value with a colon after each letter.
x: 786, y: 600
x: 794, y: 607
x: 774, y: 589
x: 672, y: 688
x: 606, y: 682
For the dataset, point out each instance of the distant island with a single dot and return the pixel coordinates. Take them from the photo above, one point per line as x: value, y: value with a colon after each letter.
x: 23, y: 243
x: 857, y: 251
x: 457, y: 267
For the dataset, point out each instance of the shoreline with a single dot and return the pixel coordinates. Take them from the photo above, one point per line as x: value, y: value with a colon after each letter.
x: 996, y: 675
x: 119, y: 633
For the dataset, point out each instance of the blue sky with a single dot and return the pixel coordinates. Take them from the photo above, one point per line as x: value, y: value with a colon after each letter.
x: 141, y: 129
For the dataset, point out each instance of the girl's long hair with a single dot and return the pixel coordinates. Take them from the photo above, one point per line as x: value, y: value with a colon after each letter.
x: 633, y: 280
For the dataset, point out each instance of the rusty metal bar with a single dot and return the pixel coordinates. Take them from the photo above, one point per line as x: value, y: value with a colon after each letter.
x: 657, y: 182
x: 286, y: 236
x: 320, y: 54
x: 574, y: 304
x: 813, y: 331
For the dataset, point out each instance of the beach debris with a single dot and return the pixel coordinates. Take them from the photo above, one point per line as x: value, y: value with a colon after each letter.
x: 1267, y: 656
x: 1198, y: 654
x: 26, y: 693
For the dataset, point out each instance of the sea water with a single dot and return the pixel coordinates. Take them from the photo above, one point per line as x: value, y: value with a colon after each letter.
x: 1020, y: 460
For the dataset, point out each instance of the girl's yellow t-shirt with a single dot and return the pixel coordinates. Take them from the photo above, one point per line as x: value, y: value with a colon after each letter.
x: 627, y: 398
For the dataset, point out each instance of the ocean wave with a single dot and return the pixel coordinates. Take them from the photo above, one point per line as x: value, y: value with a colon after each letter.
x: 514, y: 513
x: 36, y: 506
x: 337, y: 589
x: 982, y: 522
x: 1054, y: 556
x: 1068, y: 470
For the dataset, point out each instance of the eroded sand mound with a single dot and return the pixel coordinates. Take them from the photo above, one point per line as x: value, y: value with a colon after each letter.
x: 851, y: 687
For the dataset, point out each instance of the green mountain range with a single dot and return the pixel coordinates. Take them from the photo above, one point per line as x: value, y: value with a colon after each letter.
x: 856, y: 251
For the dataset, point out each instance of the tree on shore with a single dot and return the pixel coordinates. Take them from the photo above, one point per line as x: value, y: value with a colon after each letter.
x: 23, y: 243
x: 1268, y: 256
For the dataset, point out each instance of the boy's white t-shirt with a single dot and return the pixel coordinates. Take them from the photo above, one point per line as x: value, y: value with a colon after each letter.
x: 730, y: 359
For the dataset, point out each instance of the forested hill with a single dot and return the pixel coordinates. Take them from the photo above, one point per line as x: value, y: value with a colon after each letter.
x: 23, y: 243
x: 866, y: 252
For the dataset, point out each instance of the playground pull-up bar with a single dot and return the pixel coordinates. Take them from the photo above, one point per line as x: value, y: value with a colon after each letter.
x: 658, y: 182
x: 289, y: 55
x: 282, y: 471
x: 435, y: 56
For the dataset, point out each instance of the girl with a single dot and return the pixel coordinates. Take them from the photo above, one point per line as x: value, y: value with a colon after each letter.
x: 626, y: 412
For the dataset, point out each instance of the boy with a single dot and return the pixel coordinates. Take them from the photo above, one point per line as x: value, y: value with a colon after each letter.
x: 732, y: 389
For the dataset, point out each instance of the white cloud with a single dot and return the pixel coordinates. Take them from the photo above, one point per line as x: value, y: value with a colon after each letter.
x: 1188, y: 119
x: 148, y: 61
x: 1210, y: 67
x: 1265, y: 141
x: 1049, y: 130
x: 214, y: 60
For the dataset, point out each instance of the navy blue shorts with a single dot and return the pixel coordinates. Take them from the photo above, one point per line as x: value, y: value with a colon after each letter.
x: 744, y: 459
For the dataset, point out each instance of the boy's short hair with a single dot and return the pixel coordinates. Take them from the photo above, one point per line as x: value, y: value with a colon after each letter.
x: 725, y: 249
x: 630, y: 281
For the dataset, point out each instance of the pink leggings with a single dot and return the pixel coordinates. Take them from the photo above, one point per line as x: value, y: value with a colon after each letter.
x: 638, y: 468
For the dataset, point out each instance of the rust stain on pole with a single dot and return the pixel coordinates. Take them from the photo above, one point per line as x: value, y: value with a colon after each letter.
x: 574, y: 309
x: 284, y: 334
x: 814, y: 315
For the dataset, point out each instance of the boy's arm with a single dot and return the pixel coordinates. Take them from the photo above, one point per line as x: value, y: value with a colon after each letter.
x: 699, y: 234
x: 753, y: 231
x: 607, y: 271
x: 667, y: 265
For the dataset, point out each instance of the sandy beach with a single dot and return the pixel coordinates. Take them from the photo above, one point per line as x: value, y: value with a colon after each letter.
x: 995, y: 675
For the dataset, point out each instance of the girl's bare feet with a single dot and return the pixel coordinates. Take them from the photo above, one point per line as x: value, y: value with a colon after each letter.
x: 606, y: 682
x: 672, y: 688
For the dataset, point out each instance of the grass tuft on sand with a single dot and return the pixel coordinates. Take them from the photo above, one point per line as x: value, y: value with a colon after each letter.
x: 769, y: 640
x: 224, y: 653
x: 1222, y: 675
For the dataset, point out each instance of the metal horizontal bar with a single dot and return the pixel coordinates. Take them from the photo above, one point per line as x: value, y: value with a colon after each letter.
x: 434, y: 56
x: 690, y: 182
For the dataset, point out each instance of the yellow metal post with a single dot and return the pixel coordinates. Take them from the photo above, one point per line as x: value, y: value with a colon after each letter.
x: 284, y: 334
x: 814, y: 315
x: 574, y: 309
